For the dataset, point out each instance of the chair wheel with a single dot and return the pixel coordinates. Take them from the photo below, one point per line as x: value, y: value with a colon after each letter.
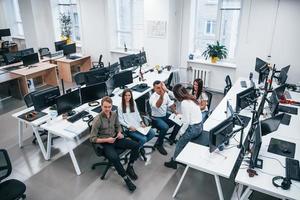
x: 102, y: 177
x: 93, y: 167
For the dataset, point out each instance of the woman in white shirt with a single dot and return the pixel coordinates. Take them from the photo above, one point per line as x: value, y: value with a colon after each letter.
x: 130, y: 118
x: 199, y: 93
x: 192, y: 121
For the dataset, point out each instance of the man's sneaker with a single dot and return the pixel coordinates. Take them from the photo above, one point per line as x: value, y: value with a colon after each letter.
x: 131, y: 173
x: 171, y: 164
x: 161, y: 149
x: 131, y: 187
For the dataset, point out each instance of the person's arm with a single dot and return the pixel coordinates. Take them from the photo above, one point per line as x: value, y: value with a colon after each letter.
x: 204, y: 101
x: 117, y: 125
x: 137, y: 114
x: 160, y: 101
x: 94, y: 133
x: 171, y: 104
x: 186, y: 117
x: 121, y: 117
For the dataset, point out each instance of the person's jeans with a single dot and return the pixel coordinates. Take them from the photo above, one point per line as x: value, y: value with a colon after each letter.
x: 140, y: 138
x: 191, y: 132
x: 113, y: 156
x: 163, y: 124
x: 204, y: 116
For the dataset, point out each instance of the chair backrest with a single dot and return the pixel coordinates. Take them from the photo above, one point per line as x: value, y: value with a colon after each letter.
x: 228, y: 81
x: 209, y: 95
x: 4, y: 44
x: 79, y: 78
x: 44, y: 52
x: 28, y: 100
x: 5, y: 165
x: 100, y: 63
x: 168, y: 81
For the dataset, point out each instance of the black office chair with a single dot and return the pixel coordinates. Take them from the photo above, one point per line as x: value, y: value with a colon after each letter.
x: 209, y: 95
x: 228, y: 84
x: 44, y: 52
x: 29, y: 103
x: 79, y: 78
x: 98, y: 64
x: 98, y: 148
x: 168, y: 81
x: 9, y: 189
x: 5, y: 44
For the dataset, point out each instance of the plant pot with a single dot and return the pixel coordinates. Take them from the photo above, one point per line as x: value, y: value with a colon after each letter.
x: 214, y: 59
x: 68, y: 38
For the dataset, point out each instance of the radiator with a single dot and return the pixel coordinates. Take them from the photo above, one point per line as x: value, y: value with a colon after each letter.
x: 203, y: 74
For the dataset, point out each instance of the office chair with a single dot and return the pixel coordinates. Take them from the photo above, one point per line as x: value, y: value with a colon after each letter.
x: 209, y: 95
x: 5, y: 44
x: 99, y: 150
x: 228, y: 84
x: 29, y: 103
x: 79, y: 78
x: 44, y: 52
x: 98, y: 64
x: 9, y: 189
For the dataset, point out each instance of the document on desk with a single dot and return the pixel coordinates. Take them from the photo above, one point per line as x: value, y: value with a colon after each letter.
x: 176, y: 118
x: 144, y: 131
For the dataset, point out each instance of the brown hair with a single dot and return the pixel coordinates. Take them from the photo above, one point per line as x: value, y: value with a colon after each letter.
x: 131, y: 103
x: 182, y: 94
x: 106, y: 99
x: 200, y: 87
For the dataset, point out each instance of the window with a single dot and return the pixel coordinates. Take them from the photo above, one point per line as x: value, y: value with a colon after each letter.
x: 129, y: 23
x: 69, y: 8
x: 18, y: 28
x: 216, y: 20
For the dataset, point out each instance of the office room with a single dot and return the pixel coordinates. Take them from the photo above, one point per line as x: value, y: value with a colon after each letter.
x: 149, y: 99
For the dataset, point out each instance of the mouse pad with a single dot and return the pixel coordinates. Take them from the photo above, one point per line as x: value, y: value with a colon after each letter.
x: 32, y: 115
x: 281, y: 147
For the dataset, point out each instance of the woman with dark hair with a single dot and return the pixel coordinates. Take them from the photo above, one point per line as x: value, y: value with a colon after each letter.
x: 130, y: 118
x: 192, y: 121
x: 199, y: 93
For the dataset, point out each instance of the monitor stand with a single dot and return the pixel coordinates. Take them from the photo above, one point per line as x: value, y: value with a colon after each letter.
x: 71, y: 113
x: 281, y: 147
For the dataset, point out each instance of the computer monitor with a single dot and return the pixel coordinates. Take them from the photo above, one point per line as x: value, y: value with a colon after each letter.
x: 260, y: 107
x: 59, y: 45
x: 273, y: 103
x: 69, y: 49
x: 26, y: 52
x: 110, y: 86
x: 262, y: 68
x: 220, y: 134
x: 255, y: 145
x: 45, y: 98
x: 280, y: 91
x: 30, y: 59
x: 283, y: 75
x: 127, y: 61
x: 12, y: 57
x: 245, y: 98
x: 140, y: 58
x: 229, y: 110
x: 96, y: 76
x: 68, y: 102
x: 113, y: 68
x: 271, y: 124
x: 123, y: 78
x: 4, y: 33
x: 93, y: 92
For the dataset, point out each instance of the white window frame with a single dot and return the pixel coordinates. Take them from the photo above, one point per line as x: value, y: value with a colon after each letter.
x: 212, y: 23
x: 18, y: 24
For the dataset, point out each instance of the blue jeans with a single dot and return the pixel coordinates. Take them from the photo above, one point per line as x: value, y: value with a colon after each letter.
x: 191, y: 132
x: 204, y: 116
x: 163, y: 124
x: 140, y: 138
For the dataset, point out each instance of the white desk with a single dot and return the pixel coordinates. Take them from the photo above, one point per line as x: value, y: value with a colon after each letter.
x: 58, y: 125
x: 271, y: 167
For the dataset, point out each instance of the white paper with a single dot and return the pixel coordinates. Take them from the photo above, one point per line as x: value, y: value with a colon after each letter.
x: 176, y: 118
x: 145, y: 130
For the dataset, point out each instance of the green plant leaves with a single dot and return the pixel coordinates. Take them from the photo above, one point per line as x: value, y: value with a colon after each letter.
x: 215, y: 50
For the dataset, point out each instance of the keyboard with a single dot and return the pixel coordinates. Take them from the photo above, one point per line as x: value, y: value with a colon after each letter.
x: 292, y: 169
x: 243, y: 84
x: 77, y: 116
x: 74, y: 57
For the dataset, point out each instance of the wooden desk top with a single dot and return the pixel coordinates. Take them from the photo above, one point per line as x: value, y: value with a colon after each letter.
x: 11, y: 65
x: 7, y: 76
x: 46, y: 59
x: 39, y: 67
x: 65, y: 60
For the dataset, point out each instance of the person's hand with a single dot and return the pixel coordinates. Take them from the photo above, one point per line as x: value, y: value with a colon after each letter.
x: 163, y: 86
x: 131, y: 128
x: 120, y: 135
x: 143, y: 125
x: 111, y: 140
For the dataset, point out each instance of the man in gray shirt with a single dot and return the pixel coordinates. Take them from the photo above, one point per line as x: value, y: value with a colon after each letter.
x: 106, y: 130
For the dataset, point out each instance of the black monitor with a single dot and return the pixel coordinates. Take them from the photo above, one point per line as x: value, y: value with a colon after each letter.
x: 229, y: 110
x: 26, y: 52
x: 12, y: 57
x: 261, y: 107
x: 4, y: 32
x: 93, y: 92
x: 283, y: 75
x: 273, y: 103
x: 123, y: 78
x: 30, y: 59
x: 140, y: 58
x: 69, y: 49
x: 113, y: 68
x: 280, y: 91
x: 127, y: 61
x: 255, y: 145
x: 95, y: 76
x: 59, y: 45
x: 220, y: 134
x: 68, y: 102
x: 262, y: 68
x: 245, y: 98
x: 271, y: 124
x: 45, y: 98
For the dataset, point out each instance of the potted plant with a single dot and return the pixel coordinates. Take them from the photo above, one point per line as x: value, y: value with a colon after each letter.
x: 215, y: 52
x: 66, y: 27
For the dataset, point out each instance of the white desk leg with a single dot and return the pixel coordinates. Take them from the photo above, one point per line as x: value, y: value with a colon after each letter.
x: 73, y: 158
x: 246, y: 194
x: 237, y: 192
x: 49, y: 145
x: 219, y: 187
x: 20, y: 132
x: 40, y: 142
x: 180, y: 181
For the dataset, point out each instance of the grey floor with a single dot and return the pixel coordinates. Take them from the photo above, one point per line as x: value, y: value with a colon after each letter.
x: 56, y: 179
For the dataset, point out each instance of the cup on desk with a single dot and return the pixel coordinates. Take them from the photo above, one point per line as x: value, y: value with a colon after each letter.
x: 53, y: 114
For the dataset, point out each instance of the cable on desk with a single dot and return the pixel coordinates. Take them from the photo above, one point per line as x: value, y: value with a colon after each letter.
x: 273, y: 159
